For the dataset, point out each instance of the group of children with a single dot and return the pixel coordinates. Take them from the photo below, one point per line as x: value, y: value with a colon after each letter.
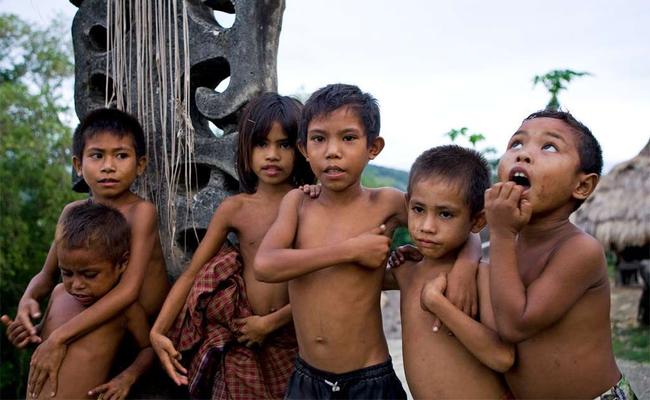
x: 533, y: 322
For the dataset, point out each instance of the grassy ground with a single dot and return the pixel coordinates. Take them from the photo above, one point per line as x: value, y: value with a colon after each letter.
x: 631, y: 343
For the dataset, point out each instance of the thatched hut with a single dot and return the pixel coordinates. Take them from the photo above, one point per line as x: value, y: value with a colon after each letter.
x: 618, y: 212
x: 618, y: 215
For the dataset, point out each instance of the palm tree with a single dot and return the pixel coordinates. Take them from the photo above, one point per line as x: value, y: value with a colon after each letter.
x: 554, y: 83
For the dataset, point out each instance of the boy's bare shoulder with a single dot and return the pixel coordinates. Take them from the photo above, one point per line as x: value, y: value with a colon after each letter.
x: 72, y: 205
x: 590, y: 248
x: 386, y: 194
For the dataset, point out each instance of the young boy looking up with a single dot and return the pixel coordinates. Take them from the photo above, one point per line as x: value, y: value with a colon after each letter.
x: 332, y: 250
x: 445, y: 205
x: 92, y: 247
x: 109, y: 152
x: 548, y: 279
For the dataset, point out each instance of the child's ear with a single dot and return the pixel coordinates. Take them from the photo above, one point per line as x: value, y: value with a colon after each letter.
x: 76, y: 163
x: 303, y: 150
x: 586, y: 186
x: 142, y: 164
x: 124, y: 261
x: 376, y: 147
x: 479, y: 222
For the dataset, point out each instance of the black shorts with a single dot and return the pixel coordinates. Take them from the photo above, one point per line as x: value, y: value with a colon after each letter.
x: 375, y: 382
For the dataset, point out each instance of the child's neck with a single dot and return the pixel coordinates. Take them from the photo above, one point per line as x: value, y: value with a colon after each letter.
x: 543, y: 227
x: 121, y: 200
x: 448, y: 258
x: 342, y: 197
x: 272, y: 191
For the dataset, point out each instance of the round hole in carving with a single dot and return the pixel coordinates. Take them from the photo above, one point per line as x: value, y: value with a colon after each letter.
x: 224, y: 20
x: 216, y: 131
x: 200, y: 177
x: 98, y: 85
x: 97, y: 35
x: 189, y: 239
x: 223, y: 85
x: 223, y: 12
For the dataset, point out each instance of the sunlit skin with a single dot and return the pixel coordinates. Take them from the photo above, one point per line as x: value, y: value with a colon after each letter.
x: 439, y: 365
x: 548, y: 279
x: 109, y: 165
x: 249, y: 216
x: 332, y: 249
x: 88, y: 360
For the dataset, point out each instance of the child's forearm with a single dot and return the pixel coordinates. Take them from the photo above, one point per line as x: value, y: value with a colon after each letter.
x: 279, y: 318
x: 481, y: 341
x: 44, y: 281
x: 507, y: 289
x: 280, y: 265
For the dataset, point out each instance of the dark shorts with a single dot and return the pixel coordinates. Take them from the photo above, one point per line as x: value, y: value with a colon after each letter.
x: 375, y: 382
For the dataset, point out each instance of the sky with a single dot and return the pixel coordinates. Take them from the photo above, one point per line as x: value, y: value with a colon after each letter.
x: 441, y: 65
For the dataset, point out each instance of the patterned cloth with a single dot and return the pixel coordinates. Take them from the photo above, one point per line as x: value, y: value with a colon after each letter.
x: 220, y: 367
x: 621, y: 391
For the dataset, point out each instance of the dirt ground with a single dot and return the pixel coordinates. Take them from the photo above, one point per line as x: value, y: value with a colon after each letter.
x: 623, y: 312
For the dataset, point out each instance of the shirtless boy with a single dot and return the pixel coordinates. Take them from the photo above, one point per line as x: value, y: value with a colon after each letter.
x: 548, y: 279
x: 109, y: 151
x: 332, y: 250
x: 92, y: 246
x: 445, y: 205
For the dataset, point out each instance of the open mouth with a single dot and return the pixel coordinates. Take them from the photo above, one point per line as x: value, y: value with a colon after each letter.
x: 520, y: 178
x: 333, y: 170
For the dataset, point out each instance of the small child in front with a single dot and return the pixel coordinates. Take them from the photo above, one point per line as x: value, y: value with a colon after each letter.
x: 109, y: 151
x: 445, y: 205
x: 92, y: 247
x: 332, y: 250
x: 548, y: 279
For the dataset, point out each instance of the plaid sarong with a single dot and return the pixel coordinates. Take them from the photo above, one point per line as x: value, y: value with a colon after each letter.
x: 220, y: 367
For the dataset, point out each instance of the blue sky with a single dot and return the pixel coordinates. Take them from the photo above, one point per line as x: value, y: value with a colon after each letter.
x: 438, y: 65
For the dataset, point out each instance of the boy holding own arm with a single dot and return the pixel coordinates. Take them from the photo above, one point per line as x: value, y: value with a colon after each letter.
x: 332, y: 250
x: 92, y: 245
x: 445, y: 205
x: 109, y: 151
x: 548, y: 279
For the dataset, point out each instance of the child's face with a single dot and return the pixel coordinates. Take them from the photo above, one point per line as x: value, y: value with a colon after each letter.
x: 542, y: 156
x: 86, y: 276
x: 273, y: 157
x: 337, y: 148
x: 439, y: 219
x: 109, y: 164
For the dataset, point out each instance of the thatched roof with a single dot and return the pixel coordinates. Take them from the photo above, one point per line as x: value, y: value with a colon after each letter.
x: 618, y: 212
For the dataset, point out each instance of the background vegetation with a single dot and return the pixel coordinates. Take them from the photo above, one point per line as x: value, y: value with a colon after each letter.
x: 34, y: 165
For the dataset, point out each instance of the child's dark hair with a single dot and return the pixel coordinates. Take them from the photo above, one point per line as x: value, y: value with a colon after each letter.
x: 332, y: 97
x: 457, y: 165
x: 254, y: 126
x: 591, y: 155
x: 111, y: 120
x: 95, y: 227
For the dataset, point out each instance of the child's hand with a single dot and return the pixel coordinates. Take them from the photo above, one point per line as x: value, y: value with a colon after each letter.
x: 252, y: 330
x: 44, y: 366
x: 312, y: 190
x: 28, y: 308
x: 506, y: 212
x: 431, y: 292
x: 169, y: 357
x: 402, y: 254
x: 17, y: 334
x: 371, y: 247
x: 116, y: 389
x: 462, y: 291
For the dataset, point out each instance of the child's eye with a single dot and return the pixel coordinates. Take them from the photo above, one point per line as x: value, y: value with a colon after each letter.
x: 122, y: 156
x: 95, y: 156
x: 349, y: 138
x: 417, y: 209
x: 66, y: 273
x: 550, y: 147
x: 516, y: 145
x: 317, y: 139
x: 285, y: 145
x: 261, y: 144
x: 445, y: 214
x: 90, y: 274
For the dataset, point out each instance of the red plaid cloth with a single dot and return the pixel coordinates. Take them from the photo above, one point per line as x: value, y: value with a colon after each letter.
x: 220, y: 367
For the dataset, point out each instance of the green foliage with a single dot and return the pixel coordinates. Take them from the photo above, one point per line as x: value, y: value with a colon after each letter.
x: 554, y: 81
x: 631, y: 343
x: 34, y: 163
x: 474, y: 138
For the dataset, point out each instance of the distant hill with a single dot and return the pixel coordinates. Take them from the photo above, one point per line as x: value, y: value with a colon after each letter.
x: 376, y: 176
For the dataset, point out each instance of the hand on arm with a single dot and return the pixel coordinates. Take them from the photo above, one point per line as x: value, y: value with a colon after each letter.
x: 254, y: 329
x: 277, y: 261
x: 520, y: 311
x: 209, y: 246
x: 480, y: 339
x: 118, y: 388
x: 461, y: 288
x: 48, y: 356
